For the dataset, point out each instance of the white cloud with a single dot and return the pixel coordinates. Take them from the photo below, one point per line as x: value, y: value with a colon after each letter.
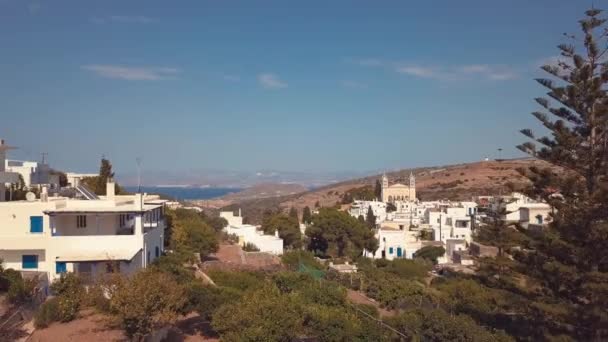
x: 475, y: 68
x: 420, y: 71
x: 462, y: 72
x: 271, y: 81
x: 123, y: 19
x: 132, y: 73
x: 353, y: 84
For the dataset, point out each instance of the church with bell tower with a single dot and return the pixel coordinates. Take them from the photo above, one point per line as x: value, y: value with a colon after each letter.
x: 398, y: 191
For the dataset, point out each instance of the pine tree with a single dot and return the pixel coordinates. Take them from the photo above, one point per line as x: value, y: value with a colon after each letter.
x: 293, y: 212
x: 370, y: 219
x: 569, y: 260
x: 306, y: 215
x: 378, y: 190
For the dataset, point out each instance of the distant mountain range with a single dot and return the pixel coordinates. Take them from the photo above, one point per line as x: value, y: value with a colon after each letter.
x: 237, y: 179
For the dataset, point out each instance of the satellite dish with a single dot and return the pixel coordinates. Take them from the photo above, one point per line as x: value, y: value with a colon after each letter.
x: 30, y: 196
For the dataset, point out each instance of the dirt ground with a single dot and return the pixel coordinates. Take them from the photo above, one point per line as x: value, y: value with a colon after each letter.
x: 233, y: 257
x: 359, y: 298
x: 92, y: 326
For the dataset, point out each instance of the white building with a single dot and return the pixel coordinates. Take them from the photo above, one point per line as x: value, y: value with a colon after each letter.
x: 247, y: 233
x: 538, y: 214
x: 452, y: 221
x: 5, y: 176
x: 52, y: 235
x: 508, y: 206
x: 395, y: 244
x: 360, y: 208
x: 33, y: 173
x: 74, y: 179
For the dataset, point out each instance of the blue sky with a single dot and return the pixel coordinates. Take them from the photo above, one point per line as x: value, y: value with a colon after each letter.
x: 248, y: 85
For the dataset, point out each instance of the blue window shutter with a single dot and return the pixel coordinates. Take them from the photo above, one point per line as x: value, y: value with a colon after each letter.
x: 390, y: 250
x: 60, y: 267
x: 399, y: 252
x: 35, y: 224
x: 29, y: 261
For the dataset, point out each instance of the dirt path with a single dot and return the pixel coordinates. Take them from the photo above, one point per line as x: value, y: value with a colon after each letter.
x: 359, y: 298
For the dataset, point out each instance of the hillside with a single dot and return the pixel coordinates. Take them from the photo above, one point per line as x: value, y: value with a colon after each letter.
x: 453, y: 182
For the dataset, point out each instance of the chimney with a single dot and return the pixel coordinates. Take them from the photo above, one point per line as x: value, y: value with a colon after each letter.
x: 276, y: 233
x: 239, y: 212
x: 110, y: 189
x: 44, y: 194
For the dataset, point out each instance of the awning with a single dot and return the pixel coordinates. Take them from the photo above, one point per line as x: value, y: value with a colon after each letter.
x: 99, y: 256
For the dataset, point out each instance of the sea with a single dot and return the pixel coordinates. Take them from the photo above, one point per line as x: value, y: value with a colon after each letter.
x: 185, y: 193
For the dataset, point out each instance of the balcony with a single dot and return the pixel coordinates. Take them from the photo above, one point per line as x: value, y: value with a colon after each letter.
x: 24, y: 241
x: 94, y: 247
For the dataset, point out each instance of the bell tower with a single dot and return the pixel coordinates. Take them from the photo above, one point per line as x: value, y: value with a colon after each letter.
x: 412, y: 190
x: 384, y: 187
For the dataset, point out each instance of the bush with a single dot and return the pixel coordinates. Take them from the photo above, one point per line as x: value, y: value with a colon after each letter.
x: 206, y: 299
x: 69, y: 285
x: 19, y: 289
x: 68, y: 308
x: 249, y: 247
x: 148, y: 300
x: 47, y: 313
x: 96, y: 298
x: 292, y: 260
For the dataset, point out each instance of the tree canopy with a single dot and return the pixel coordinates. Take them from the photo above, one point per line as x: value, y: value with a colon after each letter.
x: 337, y: 234
x: 288, y: 227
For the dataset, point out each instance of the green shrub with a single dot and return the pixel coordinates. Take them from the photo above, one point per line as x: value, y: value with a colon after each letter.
x: 47, y: 313
x: 97, y: 299
x: 249, y: 247
x: 292, y: 260
x: 239, y: 280
x: 19, y: 289
x: 68, y: 308
x: 206, y: 299
x: 68, y: 284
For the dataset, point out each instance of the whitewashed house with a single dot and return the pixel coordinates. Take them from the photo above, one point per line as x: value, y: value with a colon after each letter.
x: 360, y: 208
x: 33, y: 173
x: 247, y: 233
x: 395, y: 244
x: 90, y: 237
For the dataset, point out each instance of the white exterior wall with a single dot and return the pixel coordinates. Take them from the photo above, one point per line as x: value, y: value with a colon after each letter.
x: 395, y: 239
x: 453, y: 245
x: 90, y: 244
x: 249, y: 234
x: 360, y: 208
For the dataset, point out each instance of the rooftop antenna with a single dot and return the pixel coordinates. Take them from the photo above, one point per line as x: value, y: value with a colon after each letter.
x: 138, y: 161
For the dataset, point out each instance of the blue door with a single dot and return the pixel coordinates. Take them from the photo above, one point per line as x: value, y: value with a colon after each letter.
x: 399, y: 252
x: 35, y: 224
x: 29, y: 262
x: 61, y: 267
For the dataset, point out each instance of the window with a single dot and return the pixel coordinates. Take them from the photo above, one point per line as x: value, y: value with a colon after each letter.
x: 36, y: 224
x: 539, y: 219
x: 29, y: 262
x: 390, y: 250
x: 60, y: 267
x: 157, y: 251
x: 81, y: 221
